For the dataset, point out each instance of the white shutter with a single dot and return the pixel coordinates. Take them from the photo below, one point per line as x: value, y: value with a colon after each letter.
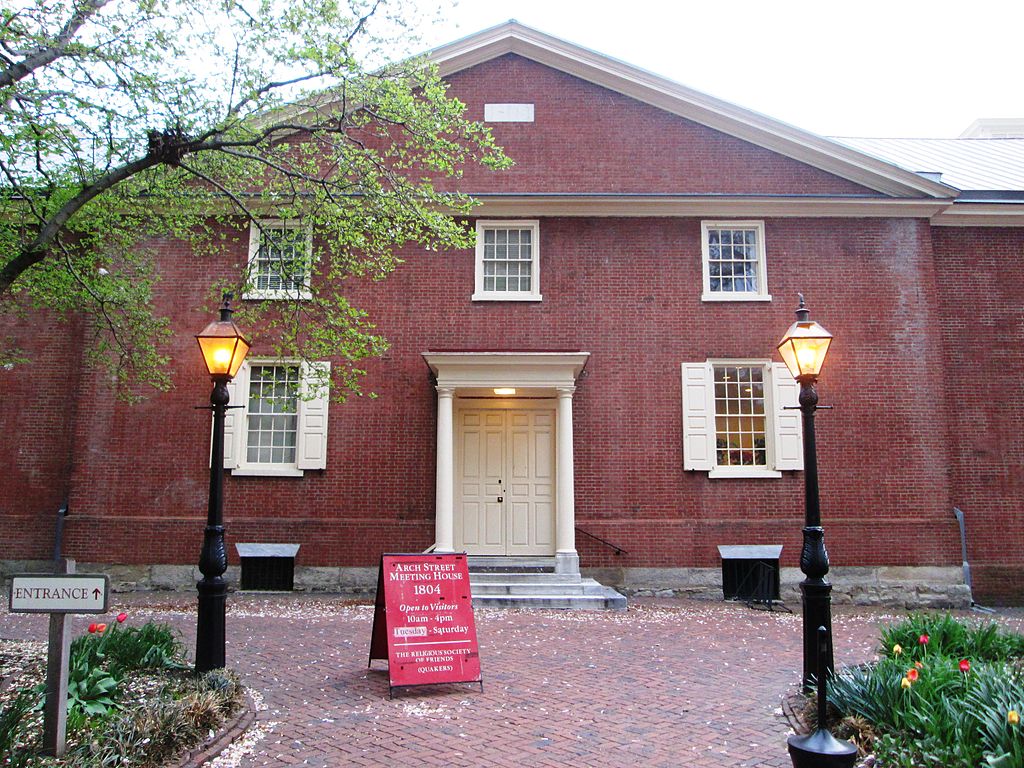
x: 698, y: 417
x: 789, y: 439
x: 311, y: 442
x: 234, y: 419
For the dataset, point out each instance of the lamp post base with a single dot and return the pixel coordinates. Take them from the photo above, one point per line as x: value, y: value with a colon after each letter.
x: 816, y: 596
x: 821, y: 750
x: 210, y: 624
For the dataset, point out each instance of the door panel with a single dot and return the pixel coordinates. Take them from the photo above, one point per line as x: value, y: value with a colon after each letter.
x: 479, y: 527
x: 506, y: 455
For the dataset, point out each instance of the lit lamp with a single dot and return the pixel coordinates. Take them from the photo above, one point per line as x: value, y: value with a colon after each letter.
x: 224, y: 350
x: 804, y: 348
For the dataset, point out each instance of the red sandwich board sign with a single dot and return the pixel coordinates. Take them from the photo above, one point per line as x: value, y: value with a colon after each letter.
x: 423, y: 621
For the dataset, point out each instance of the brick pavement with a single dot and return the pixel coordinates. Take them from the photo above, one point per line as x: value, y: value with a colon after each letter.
x: 666, y: 683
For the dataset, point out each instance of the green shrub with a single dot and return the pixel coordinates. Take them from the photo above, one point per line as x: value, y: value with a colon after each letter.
x: 12, y: 716
x: 128, y: 649
x: 948, y: 636
x: 954, y: 701
x: 151, y: 646
x: 187, y: 710
x: 91, y: 691
x: 995, y: 693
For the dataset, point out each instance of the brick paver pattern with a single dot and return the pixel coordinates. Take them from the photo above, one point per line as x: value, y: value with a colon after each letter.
x: 666, y: 683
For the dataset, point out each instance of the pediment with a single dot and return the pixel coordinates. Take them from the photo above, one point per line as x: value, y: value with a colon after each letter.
x: 752, y: 127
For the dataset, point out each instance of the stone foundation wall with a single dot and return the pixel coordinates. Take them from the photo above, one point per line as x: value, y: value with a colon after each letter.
x: 890, y: 586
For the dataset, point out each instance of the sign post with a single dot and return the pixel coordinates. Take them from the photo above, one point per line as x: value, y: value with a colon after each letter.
x: 59, y: 595
x: 423, y: 621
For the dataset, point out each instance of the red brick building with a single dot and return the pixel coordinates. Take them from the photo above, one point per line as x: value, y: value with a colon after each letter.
x: 633, y: 274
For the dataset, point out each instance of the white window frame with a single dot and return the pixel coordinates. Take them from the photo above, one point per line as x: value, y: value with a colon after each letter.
x: 255, y: 235
x: 534, y: 293
x: 783, y: 426
x: 311, y: 429
x: 706, y: 227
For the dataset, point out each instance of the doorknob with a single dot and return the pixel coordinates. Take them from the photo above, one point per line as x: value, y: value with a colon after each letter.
x: 501, y: 498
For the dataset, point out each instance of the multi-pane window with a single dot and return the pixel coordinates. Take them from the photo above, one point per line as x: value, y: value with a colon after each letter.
x: 734, y: 265
x: 279, y: 261
x: 277, y: 425
x: 740, y: 425
x: 507, y: 260
x: 272, y: 416
x: 740, y: 419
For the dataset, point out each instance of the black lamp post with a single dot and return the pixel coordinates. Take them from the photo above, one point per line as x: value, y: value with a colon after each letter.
x: 804, y: 348
x: 224, y: 348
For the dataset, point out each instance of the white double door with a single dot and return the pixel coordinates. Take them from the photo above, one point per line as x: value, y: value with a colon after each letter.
x: 505, y: 481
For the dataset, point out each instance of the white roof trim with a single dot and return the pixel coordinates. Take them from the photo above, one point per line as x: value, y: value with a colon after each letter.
x: 817, y: 151
x: 981, y: 215
x: 702, y: 205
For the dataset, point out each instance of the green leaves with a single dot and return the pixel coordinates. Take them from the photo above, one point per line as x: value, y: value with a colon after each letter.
x: 148, y: 127
x: 930, y: 710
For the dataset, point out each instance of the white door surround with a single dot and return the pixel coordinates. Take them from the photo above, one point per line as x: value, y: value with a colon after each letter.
x: 534, y: 375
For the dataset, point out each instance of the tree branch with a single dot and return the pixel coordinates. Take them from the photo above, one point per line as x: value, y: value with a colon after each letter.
x: 36, y: 250
x: 46, y: 54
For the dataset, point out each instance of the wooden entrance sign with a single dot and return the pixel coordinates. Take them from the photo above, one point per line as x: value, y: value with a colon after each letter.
x: 423, y: 621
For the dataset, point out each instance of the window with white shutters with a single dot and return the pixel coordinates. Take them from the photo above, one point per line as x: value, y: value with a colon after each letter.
x: 281, y: 427
x: 736, y: 421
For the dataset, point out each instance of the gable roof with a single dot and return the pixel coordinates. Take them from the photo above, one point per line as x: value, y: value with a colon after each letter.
x: 817, y: 151
x: 971, y: 165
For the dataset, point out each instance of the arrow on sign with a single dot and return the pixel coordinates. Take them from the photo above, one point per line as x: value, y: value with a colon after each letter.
x: 96, y: 593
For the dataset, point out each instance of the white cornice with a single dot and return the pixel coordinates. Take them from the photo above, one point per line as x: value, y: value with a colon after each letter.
x: 670, y: 96
x: 529, y: 370
x: 981, y: 215
x: 710, y: 205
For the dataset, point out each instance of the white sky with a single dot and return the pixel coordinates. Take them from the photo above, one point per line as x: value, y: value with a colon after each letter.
x: 907, y: 68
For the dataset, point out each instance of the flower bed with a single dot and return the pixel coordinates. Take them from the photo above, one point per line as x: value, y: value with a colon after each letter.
x: 944, y: 693
x: 132, y: 699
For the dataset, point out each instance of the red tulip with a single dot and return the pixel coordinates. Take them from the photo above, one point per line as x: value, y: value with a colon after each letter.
x: 121, y: 617
x: 965, y: 665
x: 923, y: 639
x: 101, y: 628
x: 912, y: 674
x: 93, y: 628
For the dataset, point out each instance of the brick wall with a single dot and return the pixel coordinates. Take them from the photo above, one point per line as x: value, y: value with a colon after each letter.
x: 981, y: 300
x: 586, y: 138
x: 628, y: 291
x: 38, y: 403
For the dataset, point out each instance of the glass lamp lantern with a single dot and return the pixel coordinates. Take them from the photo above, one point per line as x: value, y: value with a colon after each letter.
x: 222, y: 344
x: 805, y: 345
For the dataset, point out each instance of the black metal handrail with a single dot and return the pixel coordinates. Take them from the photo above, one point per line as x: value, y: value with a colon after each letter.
x: 618, y: 550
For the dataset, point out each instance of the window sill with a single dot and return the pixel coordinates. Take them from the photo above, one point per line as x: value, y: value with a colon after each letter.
x: 735, y: 297
x: 267, y: 472
x: 743, y: 472
x: 507, y: 297
x: 277, y: 296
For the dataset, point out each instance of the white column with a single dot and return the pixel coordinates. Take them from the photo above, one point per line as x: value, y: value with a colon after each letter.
x: 566, y: 558
x: 444, y: 524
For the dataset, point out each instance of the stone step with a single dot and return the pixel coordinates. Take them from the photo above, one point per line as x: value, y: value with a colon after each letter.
x: 493, y: 577
x: 503, y: 564
x: 538, y: 588
x: 610, y: 601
